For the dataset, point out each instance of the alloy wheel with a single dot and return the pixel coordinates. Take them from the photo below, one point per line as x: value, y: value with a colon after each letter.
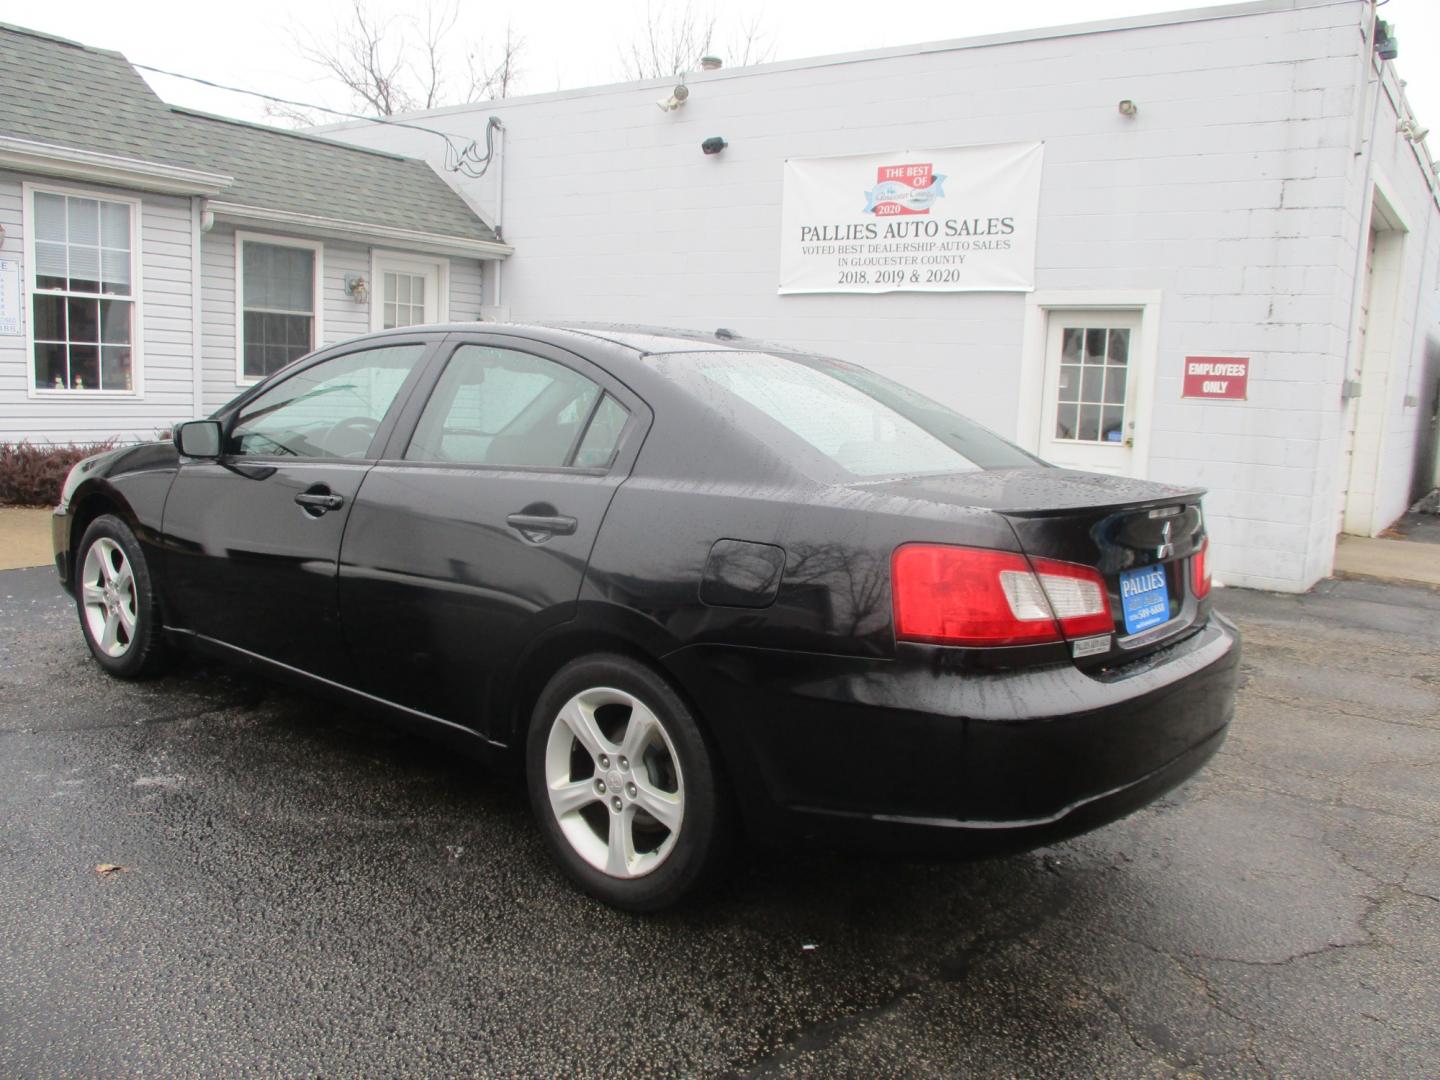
x: 614, y: 782
x: 107, y: 584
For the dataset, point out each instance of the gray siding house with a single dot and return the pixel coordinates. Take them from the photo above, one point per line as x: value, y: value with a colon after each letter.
x: 155, y: 261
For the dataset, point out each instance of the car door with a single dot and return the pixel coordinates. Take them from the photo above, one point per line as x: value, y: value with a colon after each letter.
x: 252, y: 539
x: 473, y: 534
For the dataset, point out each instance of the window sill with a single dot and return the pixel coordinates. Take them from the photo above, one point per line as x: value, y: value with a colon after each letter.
x: 37, y: 393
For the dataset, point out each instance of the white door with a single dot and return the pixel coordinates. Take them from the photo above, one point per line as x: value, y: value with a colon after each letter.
x: 1087, y: 419
x: 408, y: 293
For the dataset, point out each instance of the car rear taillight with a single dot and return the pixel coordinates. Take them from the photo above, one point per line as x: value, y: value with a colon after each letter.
x: 1200, y: 569
x: 948, y: 595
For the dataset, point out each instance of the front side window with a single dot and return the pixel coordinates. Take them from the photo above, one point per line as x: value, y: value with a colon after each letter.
x: 83, y: 293
x: 504, y: 408
x: 277, y: 306
x: 329, y: 410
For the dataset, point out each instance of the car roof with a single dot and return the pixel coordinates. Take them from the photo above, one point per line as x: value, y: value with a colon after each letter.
x: 642, y: 339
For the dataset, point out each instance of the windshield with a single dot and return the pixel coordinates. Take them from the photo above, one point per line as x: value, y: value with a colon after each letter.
x: 865, y: 424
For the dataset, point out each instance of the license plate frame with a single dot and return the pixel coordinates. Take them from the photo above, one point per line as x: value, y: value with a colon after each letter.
x: 1144, y: 598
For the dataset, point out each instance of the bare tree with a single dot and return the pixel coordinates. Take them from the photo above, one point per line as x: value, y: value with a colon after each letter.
x: 396, y: 63
x: 750, y: 42
x: 674, y: 39
x: 495, y: 79
x: 669, y: 43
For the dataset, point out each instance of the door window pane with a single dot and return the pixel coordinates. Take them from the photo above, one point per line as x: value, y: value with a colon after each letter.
x: 402, y: 299
x: 1069, y: 382
x: 329, y: 410
x: 1072, y: 341
x: 1093, y: 376
x: 1066, y: 419
x: 1119, y: 352
x: 500, y: 407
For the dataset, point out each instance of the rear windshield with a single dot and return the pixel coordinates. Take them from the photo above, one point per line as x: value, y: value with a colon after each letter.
x: 865, y: 424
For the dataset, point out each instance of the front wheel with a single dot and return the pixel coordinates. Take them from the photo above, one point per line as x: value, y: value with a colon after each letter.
x: 119, y: 612
x: 624, y: 785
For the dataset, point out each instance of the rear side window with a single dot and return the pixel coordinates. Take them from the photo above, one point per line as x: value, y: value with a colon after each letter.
x: 503, y: 408
x: 602, y: 437
x: 859, y: 421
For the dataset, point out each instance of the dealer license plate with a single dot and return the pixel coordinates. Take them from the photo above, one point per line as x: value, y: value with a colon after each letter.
x: 1145, y: 598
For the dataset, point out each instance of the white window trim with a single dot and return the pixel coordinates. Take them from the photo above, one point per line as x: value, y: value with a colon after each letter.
x: 317, y: 324
x: 1145, y: 354
x: 27, y: 304
x: 407, y: 262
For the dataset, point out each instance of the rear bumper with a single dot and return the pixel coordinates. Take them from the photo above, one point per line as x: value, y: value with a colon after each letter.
x: 910, y: 756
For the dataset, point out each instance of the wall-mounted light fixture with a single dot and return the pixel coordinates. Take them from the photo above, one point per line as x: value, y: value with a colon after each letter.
x: 357, y: 287
x: 1128, y: 108
x: 1411, y: 130
x: 678, y: 97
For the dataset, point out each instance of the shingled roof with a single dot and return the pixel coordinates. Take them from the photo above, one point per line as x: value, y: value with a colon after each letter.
x: 60, y: 93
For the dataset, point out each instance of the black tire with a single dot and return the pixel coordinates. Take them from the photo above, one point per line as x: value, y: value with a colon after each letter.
x: 144, y: 653
x: 701, y: 844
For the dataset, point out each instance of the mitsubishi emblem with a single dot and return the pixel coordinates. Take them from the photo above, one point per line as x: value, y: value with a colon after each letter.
x: 1166, y: 548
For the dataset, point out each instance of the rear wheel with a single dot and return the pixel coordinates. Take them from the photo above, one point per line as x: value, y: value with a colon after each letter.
x: 624, y: 785
x: 119, y: 612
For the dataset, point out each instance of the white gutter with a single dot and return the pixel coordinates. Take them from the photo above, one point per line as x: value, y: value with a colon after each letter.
x: 499, y: 205
x: 359, y: 231
x: 48, y: 159
x: 197, y: 337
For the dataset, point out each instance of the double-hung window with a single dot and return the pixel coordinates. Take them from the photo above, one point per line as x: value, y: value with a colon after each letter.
x: 83, y: 286
x: 279, y: 303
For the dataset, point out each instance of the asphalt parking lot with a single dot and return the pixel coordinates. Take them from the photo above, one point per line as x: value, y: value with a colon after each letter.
x: 306, y: 893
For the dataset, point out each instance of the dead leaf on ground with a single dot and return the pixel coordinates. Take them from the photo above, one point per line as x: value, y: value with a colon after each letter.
x: 106, y: 869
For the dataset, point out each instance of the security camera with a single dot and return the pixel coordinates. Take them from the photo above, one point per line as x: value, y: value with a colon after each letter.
x: 713, y: 145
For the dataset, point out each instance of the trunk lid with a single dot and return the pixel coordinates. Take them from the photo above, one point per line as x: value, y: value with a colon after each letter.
x: 1141, y: 536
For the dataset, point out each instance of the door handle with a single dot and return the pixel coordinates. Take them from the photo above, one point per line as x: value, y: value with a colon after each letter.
x: 318, y: 502
x: 542, y: 524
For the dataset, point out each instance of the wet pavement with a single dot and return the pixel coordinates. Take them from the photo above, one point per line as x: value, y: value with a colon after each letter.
x: 305, y: 892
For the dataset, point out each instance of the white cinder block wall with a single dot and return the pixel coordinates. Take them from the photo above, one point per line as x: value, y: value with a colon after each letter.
x: 166, y: 326
x: 1233, y: 193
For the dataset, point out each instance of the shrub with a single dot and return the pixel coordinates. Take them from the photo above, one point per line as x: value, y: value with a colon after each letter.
x: 31, y: 475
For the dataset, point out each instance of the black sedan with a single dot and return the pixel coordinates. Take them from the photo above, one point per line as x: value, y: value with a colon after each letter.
x: 700, y: 588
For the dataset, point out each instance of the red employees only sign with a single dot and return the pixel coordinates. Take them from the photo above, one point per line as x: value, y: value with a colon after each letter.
x: 1216, y: 377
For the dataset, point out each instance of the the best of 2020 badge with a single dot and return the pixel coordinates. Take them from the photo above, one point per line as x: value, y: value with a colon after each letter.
x: 903, y: 189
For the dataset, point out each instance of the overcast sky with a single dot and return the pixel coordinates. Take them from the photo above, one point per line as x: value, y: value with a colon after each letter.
x: 570, y: 43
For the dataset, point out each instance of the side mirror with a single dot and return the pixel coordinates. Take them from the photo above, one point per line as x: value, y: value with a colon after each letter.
x: 198, y: 438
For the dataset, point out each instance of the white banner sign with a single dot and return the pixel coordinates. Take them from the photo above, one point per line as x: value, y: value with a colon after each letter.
x: 10, y: 314
x: 961, y: 219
